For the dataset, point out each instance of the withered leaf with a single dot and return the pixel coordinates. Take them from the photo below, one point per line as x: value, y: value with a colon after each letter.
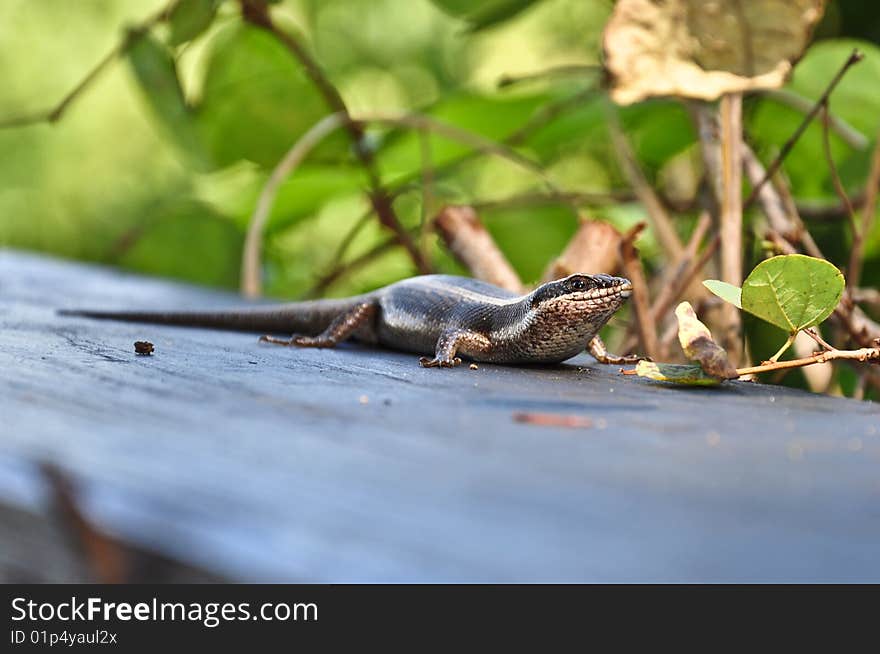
x: 696, y: 341
x: 676, y: 373
x: 704, y: 48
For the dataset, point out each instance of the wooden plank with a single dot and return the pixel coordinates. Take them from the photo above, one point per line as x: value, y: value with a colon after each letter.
x: 264, y: 463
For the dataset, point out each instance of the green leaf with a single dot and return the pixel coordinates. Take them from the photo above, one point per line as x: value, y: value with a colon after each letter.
x: 490, y: 117
x: 235, y: 191
x: 727, y: 292
x: 687, y: 374
x: 188, y: 240
x: 190, y: 18
x: 257, y: 100
x: 156, y: 73
x: 792, y: 291
x: 485, y: 13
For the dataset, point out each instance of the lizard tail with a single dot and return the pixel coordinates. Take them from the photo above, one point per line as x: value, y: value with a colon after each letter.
x: 307, y: 318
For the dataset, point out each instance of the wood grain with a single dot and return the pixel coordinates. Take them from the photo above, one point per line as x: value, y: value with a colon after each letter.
x: 278, y: 464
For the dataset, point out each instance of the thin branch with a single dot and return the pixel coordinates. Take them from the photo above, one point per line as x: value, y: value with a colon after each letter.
x: 730, y: 201
x: 529, y: 199
x: 660, y: 220
x: 813, y: 333
x: 250, y: 263
x: 256, y: 12
x: 594, y: 248
x: 869, y: 211
x: 427, y: 204
x: 685, y: 271
x: 772, y: 204
x: 571, y: 70
x: 342, y: 270
x: 863, y: 354
x: 542, y: 117
x: 854, y: 58
x: 835, y: 176
x: 55, y: 113
x: 471, y: 139
x: 470, y: 243
x: 632, y: 268
x: 850, y: 135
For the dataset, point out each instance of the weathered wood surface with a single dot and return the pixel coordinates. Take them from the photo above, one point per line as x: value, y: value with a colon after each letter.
x: 263, y: 463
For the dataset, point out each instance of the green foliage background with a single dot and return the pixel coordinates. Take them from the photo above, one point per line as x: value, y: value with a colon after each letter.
x: 157, y: 166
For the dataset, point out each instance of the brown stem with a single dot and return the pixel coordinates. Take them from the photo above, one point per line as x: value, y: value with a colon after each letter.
x: 730, y: 202
x: 863, y: 354
x: 467, y: 239
x: 594, y: 248
x: 256, y: 12
x: 632, y: 268
x: 660, y: 220
x: 342, y: 270
x: 869, y: 210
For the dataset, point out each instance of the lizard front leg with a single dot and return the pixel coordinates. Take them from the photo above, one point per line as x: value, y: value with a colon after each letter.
x: 342, y: 327
x: 597, y: 348
x: 450, y: 342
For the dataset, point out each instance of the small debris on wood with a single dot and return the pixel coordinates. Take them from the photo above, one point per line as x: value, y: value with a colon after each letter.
x: 553, y: 420
x: 474, y: 366
x: 363, y: 399
x: 143, y: 348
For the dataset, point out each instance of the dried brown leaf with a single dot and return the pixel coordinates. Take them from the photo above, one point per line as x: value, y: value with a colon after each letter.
x: 696, y: 341
x: 704, y: 48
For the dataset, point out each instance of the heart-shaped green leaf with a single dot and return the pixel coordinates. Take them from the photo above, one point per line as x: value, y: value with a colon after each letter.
x: 727, y: 292
x: 792, y: 291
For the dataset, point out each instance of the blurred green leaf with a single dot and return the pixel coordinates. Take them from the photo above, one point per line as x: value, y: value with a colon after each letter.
x: 485, y: 13
x: 300, y: 196
x: 530, y: 238
x: 792, y: 291
x: 727, y: 292
x: 156, y: 73
x: 188, y: 241
x: 190, y: 18
x: 490, y: 117
x: 257, y: 101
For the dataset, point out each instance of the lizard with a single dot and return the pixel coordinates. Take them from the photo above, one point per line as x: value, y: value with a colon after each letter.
x: 449, y: 316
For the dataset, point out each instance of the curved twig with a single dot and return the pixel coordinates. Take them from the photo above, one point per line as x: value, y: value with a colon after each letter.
x: 250, y: 264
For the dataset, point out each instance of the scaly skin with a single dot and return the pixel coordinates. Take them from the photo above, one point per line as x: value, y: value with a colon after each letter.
x: 449, y: 316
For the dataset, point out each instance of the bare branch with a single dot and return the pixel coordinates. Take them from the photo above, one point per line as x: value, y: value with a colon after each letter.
x: 594, y: 248
x: 467, y: 238
x: 850, y: 135
x: 863, y: 354
x: 54, y: 114
x: 869, y: 210
x: 632, y: 268
x: 854, y: 58
x: 660, y: 220
x: 572, y: 70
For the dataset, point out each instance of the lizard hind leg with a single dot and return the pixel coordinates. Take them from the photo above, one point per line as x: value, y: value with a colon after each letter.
x: 342, y: 327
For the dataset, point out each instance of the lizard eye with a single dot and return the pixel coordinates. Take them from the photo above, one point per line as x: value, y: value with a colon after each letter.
x: 578, y: 284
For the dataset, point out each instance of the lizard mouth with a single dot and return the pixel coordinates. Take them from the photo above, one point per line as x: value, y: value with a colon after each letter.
x: 625, y: 290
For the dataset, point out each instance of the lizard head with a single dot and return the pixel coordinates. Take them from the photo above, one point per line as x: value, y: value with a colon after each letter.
x: 593, y: 294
